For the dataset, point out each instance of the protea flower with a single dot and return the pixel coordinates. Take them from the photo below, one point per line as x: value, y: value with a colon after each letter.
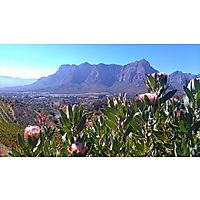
x: 159, y: 75
x: 77, y: 147
x: 88, y: 123
x: 32, y: 132
x: 151, y: 96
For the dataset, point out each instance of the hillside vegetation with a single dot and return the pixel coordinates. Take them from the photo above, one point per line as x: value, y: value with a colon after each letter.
x: 8, y: 127
x: 154, y: 124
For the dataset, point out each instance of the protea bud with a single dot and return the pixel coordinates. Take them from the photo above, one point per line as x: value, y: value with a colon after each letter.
x: 32, y: 134
x: 151, y: 96
x: 88, y: 123
x: 115, y: 101
x: 41, y: 118
x: 77, y: 147
x: 159, y: 75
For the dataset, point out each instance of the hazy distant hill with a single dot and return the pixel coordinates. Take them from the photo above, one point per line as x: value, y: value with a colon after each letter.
x: 6, y: 81
x: 111, y: 78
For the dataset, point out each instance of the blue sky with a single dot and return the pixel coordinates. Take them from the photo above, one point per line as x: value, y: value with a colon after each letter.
x: 34, y: 61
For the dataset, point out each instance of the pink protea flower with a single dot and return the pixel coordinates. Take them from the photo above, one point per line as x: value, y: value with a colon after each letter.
x: 88, y: 123
x: 33, y: 132
x: 151, y: 96
x: 159, y: 75
x: 76, y: 147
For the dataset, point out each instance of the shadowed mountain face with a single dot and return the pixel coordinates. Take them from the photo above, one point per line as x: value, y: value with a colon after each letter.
x: 110, y: 78
x: 85, y: 78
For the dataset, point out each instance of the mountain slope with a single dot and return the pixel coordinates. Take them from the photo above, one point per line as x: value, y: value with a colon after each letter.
x: 86, y: 77
x: 101, y: 78
x: 8, y: 128
x: 6, y: 81
x: 178, y: 79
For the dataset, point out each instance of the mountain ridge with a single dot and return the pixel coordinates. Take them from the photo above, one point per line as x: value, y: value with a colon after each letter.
x: 110, y: 78
x: 8, y: 81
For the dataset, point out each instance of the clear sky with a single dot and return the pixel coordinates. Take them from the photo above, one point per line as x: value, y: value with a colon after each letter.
x: 34, y: 61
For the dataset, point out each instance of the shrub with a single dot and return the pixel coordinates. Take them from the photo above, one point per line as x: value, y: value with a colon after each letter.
x: 155, y: 124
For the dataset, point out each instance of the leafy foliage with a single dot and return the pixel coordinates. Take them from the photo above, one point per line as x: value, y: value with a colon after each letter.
x: 163, y: 127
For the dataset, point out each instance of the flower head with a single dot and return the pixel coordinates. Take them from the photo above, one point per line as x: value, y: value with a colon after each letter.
x: 88, y: 123
x: 151, y: 96
x: 33, y: 132
x: 77, y: 147
x: 159, y: 75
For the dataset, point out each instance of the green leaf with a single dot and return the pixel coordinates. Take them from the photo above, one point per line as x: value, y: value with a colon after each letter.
x: 81, y: 124
x: 136, y: 122
x: 21, y: 141
x: 188, y: 93
x: 64, y: 118
x: 151, y: 81
x: 177, y: 148
x: 32, y: 143
x: 182, y: 127
x: 46, y: 149
x: 161, y: 136
x: 164, y: 80
x: 128, y: 120
x: 186, y: 150
x: 15, y: 153
x: 110, y: 115
x: 75, y: 115
x: 126, y: 133
x: 110, y: 125
x: 168, y: 96
x: 111, y: 110
x: 197, y: 85
x: 69, y: 112
x: 198, y: 99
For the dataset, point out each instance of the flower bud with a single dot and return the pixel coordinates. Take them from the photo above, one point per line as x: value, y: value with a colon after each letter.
x: 159, y: 75
x: 151, y: 96
x: 32, y: 132
x: 76, y: 147
x: 115, y: 101
x: 88, y: 123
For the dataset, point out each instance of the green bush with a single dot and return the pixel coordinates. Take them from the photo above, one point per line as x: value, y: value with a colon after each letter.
x: 155, y: 124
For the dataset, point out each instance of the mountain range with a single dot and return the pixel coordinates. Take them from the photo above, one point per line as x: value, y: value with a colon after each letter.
x: 6, y: 81
x: 102, y: 78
